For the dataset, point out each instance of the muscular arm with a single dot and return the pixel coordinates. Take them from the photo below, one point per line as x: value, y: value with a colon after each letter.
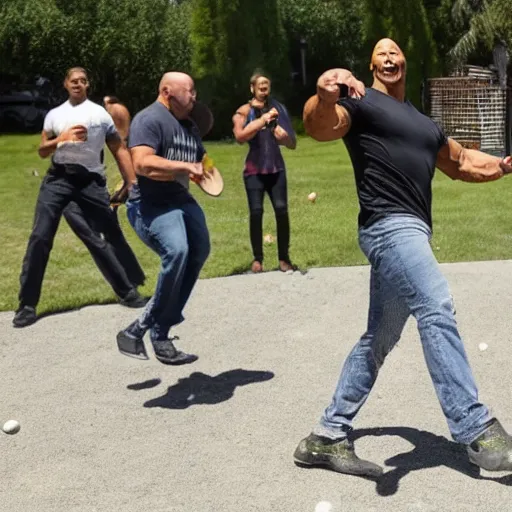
x: 325, y: 121
x: 147, y: 163
x: 245, y: 133
x: 470, y: 165
x: 123, y: 159
x: 121, y: 118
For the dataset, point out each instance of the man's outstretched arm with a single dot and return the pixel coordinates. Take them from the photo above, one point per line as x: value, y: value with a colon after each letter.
x: 324, y: 119
x: 470, y: 165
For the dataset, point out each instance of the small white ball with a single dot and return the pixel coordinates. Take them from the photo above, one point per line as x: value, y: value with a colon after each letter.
x: 323, y: 506
x: 483, y: 346
x: 11, y: 427
x: 312, y: 197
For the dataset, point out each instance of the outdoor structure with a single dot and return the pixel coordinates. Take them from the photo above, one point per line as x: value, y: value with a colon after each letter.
x: 473, y: 108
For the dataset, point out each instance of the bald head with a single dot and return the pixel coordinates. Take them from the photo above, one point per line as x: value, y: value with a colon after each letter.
x: 175, y: 79
x: 389, y: 68
x: 177, y: 92
x: 385, y: 45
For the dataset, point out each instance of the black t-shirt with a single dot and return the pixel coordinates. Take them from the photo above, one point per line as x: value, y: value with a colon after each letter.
x: 393, y: 149
x: 172, y: 139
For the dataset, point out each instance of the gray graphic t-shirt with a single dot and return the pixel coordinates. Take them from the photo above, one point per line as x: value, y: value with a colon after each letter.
x: 172, y: 139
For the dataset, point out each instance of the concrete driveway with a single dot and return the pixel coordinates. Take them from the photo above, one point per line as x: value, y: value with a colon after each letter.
x: 103, y: 432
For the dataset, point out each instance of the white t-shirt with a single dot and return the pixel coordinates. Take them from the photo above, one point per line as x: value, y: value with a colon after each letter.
x: 99, y: 125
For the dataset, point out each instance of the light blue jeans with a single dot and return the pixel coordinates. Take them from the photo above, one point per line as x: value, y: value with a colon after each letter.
x: 406, y: 279
x: 179, y: 235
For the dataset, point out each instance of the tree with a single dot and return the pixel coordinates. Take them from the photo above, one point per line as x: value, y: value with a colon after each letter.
x: 126, y: 46
x: 407, y: 23
x: 332, y: 30
x: 487, y: 22
x: 231, y: 39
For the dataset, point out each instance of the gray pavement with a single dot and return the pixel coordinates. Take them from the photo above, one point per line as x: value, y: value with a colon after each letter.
x: 103, y: 432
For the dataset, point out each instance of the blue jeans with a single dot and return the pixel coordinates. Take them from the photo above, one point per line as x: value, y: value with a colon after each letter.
x: 406, y: 279
x: 179, y: 235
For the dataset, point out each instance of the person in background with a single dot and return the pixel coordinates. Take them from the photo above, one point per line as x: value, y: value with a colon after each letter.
x: 264, y: 123
x: 120, y: 114
x: 117, y: 263
x: 74, y: 134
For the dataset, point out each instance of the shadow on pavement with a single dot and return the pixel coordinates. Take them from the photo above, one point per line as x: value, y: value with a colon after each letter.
x: 429, y: 451
x: 200, y: 388
x: 80, y: 304
x: 147, y: 384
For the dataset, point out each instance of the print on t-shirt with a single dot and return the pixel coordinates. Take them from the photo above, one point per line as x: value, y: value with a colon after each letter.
x: 183, y: 149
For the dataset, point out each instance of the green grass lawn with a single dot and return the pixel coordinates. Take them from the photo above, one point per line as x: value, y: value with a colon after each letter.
x: 471, y: 221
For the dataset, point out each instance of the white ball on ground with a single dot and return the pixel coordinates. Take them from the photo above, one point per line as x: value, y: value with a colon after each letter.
x: 483, y: 346
x: 312, y: 197
x: 323, y: 506
x: 11, y: 427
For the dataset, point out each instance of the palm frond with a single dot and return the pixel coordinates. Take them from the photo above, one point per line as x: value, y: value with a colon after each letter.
x: 462, y: 10
x: 463, y: 48
x: 486, y: 27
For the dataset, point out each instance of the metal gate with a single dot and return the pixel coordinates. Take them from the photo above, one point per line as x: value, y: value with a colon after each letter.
x: 472, y: 109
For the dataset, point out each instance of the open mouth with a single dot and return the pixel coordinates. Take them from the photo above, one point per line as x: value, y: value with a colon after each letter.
x: 389, y: 70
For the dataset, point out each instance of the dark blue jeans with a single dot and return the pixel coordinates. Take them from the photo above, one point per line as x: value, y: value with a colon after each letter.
x: 179, y: 235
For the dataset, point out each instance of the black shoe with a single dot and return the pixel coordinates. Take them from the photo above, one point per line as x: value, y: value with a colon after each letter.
x: 26, y: 315
x: 130, y: 341
x: 338, y: 455
x: 166, y: 353
x: 133, y: 299
x: 492, y: 450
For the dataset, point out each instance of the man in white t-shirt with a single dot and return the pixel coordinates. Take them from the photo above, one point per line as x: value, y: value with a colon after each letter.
x: 74, y: 134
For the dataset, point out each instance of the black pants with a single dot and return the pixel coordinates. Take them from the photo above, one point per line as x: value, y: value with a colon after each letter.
x: 57, y: 190
x: 276, y: 188
x: 118, y: 264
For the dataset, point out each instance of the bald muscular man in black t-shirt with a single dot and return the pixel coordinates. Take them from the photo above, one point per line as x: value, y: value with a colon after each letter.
x: 394, y: 151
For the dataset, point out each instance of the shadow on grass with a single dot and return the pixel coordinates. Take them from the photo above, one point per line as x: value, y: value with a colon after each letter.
x: 429, y: 451
x: 202, y: 389
x: 246, y: 269
x: 77, y: 305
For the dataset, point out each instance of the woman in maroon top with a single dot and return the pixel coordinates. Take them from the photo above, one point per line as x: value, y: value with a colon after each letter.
x: 264, y: 123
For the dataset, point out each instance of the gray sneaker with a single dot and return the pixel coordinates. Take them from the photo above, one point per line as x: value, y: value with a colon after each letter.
x: 166, y: 353
x: 338, y: 455
x: 130, y: 341
x: 492, y: 450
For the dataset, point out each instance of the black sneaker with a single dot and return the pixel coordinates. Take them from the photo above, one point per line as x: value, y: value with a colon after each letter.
x: 133, y: 299
x: 26, y: 315
x: 130, y: 341
x: 492, y: 450
x: 166, y: 353
x: 338, y: 455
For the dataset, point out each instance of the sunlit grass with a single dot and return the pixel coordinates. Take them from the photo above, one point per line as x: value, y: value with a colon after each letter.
x: 471, y: 221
